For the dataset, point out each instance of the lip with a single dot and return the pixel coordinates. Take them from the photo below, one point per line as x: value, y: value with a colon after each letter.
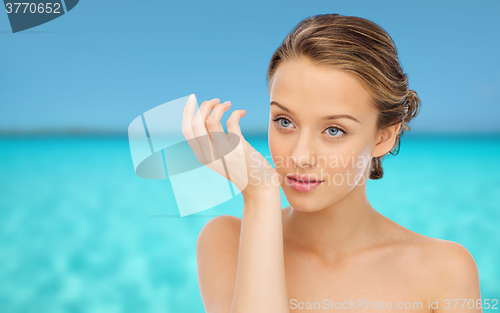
x: 304, y: 178
x: 302, y: 186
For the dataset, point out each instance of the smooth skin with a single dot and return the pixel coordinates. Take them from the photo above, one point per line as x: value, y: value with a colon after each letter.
x: 261, y: 234
x: 330, y: 244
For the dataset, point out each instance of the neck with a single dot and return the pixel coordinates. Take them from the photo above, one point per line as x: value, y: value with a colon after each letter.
x: 347, y: 226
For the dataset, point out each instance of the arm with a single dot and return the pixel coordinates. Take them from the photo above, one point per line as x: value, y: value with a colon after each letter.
x: 458, y: 288
x: 241, y: 265
x: 260, y: 282
x: 217, y: 262
x: 252, y: 277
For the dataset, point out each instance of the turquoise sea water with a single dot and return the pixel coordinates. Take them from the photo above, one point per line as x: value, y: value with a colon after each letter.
x: 80, y: 232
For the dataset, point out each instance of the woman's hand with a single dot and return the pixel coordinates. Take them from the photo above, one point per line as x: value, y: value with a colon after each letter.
x: 227, y: 153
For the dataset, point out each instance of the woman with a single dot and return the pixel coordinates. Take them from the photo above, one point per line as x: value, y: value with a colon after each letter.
x: 339, y: 103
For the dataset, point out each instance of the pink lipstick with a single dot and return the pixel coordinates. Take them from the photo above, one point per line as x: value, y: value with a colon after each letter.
x: 303, y: 183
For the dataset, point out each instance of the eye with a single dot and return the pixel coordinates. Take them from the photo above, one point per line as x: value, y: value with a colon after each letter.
x: 334, y: 131
x: 282, y: 122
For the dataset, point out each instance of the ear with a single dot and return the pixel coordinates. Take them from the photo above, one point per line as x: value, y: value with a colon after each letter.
x: 385, y: 140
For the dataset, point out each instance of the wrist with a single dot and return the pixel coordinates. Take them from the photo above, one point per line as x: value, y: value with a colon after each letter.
x: 263, y: 193
x: 266, y: 198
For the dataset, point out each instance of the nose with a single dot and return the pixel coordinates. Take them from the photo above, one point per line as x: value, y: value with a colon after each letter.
x: 303, y: 153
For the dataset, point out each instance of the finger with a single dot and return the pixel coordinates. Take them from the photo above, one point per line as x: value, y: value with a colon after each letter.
x: 220, y: 141
x: 213, y: 121
x: 200, y: 129
x: 233, y: 125
x: 188, y: 116
x: 199, y: 121
x: 187, y: 130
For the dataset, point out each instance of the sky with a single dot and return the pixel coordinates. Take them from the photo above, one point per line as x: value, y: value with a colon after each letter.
x: 104, y: 63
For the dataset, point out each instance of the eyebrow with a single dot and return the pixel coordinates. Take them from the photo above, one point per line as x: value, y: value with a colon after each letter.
x: 329, y: 117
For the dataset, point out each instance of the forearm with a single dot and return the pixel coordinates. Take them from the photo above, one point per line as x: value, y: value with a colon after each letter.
x: 260, y: 281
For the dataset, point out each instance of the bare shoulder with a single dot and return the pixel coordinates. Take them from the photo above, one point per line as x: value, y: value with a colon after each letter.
x: 448, y: 255
x: 435, y: 255
x: 220, y: 231
x: 450, y: 264
x: 445, y: 268
x: 217, y: 251
x: 436, y: 263
x: 441, y: 258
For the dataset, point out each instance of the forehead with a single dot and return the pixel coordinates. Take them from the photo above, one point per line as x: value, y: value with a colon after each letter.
x: 301, y: 85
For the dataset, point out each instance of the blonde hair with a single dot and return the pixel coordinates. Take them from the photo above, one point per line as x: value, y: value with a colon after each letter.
x: 363, y: 48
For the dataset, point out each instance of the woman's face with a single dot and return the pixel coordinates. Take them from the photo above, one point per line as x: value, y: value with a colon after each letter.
x: 304, y: 141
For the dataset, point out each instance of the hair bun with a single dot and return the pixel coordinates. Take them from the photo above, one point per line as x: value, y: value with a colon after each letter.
x: 413, y: 104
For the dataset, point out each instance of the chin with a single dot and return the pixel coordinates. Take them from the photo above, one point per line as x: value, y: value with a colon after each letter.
x: 313, y: 200
x: 303, y: 202
x: 305, y: 205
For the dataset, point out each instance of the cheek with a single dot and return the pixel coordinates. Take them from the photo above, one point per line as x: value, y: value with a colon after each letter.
x: 346, y: 161
x: 278, y: 150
